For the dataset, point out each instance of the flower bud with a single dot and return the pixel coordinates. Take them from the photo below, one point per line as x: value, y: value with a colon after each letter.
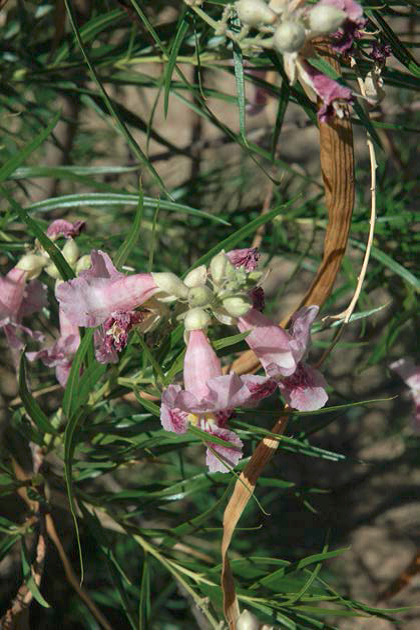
x: 83, y: 263
x: 254, y: 12
x: 289, y: 37
x: 71, y: 251
x: 200, y: 296
x: 247, y: 621
x: 237, y: 306
x: 196, y: 319
x: 197, y: 277
x: 326, y: 19
x: 218, y: 266
x: 170, y: 284
x: 32, y: 264
x: 52, y: 271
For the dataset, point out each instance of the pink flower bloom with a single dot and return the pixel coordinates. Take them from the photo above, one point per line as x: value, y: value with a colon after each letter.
x: 328, y: 90
x: 61, y: 353
x: 247, y: 258
x: 209, y: 398
x: 410, y: 374
x: 19, y: 299
x: 112, y: 337
x: 342, y: 41
x: 281, y: 354
x: 61, y: 227
x: 96, y: 294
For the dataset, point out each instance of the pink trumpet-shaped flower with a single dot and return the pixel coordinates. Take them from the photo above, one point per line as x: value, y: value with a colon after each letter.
x: 410, y: 374
x: 60, y: 354
x: 18, y: 299
x: 209, y: 398
x: 282, y: 354
x: 96, y: 294
x: 342, y: 41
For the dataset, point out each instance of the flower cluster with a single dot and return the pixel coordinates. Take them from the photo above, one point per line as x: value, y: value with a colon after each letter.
x: 226, y: 291
x: 294, y: 25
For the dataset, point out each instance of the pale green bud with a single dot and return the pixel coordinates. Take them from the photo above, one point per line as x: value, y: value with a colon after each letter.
x: 255, y: 276
x: 218, y: 266
x: 197, y: 277
x: 170, y: 284
x: 71, y: 251
x: 247, y: 621
x: 326, y: 19
x: 254, y: 12
x: 83, y: 263
x: 32, y: 264
x: 196, y: 319
x: 53, y: 271
x: 200, y: 296
x: 289, y: 37
x: 237, y: 306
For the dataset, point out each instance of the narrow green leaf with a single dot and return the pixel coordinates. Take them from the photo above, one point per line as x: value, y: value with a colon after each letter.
x: 132, y: 236
x: 398, y: 49
x: 32, y: 408
x: 238, y: 64
x: 145, y: 605
x: 118, y: 199
x: 11, y: 165
x: 29, y: 579
x: 71, y: 400
x: 281, y: 111
x: 170, y: 64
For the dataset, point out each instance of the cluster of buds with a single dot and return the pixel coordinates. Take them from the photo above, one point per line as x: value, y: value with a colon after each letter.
x: 222, y: 291
x: 291, y: 26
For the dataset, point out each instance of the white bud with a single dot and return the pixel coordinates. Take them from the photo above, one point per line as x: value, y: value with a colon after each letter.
x: 32, y: 264
x: 200, y: 296
x: 326, y: 19
x: 196, y: 319
x: 71, y: 251
x: 197, y: 277
x: 237, y: 306
x: 247, y: 621
x: 83, y: 263
x: 53, y: 271
x: 254, y: 12
x: 278, y: 6
x: 218, y: 266
x: 289, y: 37
x: 170, y: 284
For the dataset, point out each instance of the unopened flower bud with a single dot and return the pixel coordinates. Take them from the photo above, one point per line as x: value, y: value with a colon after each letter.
x: 247, y: 621
x: 218, y: 266
x: 83, y: 263
x: 197, y: 277
x: 52, y: 271
x: 289, y: 37
x: 71, y: 251
x: 237, y: 306
x: 200, y: 296
x: 196, y: 319
x: 170, y: 284
x: 254, y: 12
x: 255, y: 276
x: 32, y: 264
x: 326, y: 19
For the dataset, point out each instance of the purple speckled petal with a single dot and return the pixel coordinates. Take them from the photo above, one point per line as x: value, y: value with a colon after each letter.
x: 247, y: 258
x: 61, y: 227
x: 305, y: 389
x: 221, y: 458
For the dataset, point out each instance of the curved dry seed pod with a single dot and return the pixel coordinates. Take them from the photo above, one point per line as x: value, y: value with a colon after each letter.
x: 337, y: 165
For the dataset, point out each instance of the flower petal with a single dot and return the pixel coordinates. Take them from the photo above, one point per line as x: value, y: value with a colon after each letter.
x: 270, y: 342
x: 300, y: 330
x: 12, y: 288
x: 200, y: 364
x: 61, y: 227
x: 221, y: 458
x: 305, y: 389
x: 97, y: 293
